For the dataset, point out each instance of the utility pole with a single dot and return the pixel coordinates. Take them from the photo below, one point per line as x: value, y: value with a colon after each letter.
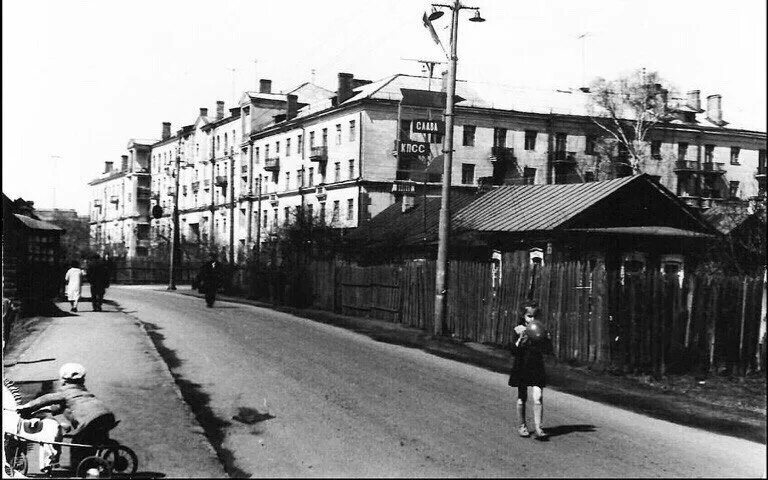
x: 175, y: 219
x: 232, y: 203
x: 441, y: 283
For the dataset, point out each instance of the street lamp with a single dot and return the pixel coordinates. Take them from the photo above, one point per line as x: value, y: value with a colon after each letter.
x: 444, y: 225
x: 175, y: 219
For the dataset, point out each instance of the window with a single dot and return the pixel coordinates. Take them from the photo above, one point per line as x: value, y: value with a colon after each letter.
x: 733, y: 189
x: 468, y: 139
x: 405, y: 129
x: 310, y: 211
x: 287, y: 213
x: 529, y: 175
x: 467, y: 173
x: 682, y: 151
x: 287, y: 180
x: 311, y: 139
x: 256, y: 156
x: 335, y: 212
x: 351, y: 130
x: 299, y: 144
x: 300, y: 178
x: 337, y: 172
x: 761, y: 162
x: 499, y: 137
x: 735, y: 155
x: 275, y: 219
x: 709, y: 153
x: 266, y: 151
x: 287, y: 147
x: 560, y: 142
x: 226, y: 142
x: 530, y: 139
x: 589, y: 147
x: 434, y: 138
x: 322, y: 212
x: 325, y: 137
x: 656, y: 149
x: 351, y: 169
x: 311, y: 178
x: 338, y: 134
x: 277, y: 148
x: 350, y: 209
x: 264, y: 223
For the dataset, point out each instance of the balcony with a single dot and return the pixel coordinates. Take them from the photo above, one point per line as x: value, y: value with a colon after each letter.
x: 713, y: 167
x: 694, y: 166
x: 221, y: 181
x: 318, y: 154
x: 195, y: 186
x: 320, y: 192
x: 561, y: 157
x: 760, y: 172
x: 406, y: 186
x: 273, y: 199
x: 206, y: 185
x: 501, y: 154
x: 272, y: 164
x: 114, y: 199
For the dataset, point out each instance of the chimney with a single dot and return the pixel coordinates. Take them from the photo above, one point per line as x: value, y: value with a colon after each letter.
x: 166, y: 130
x: 265, y: 86
x: 693, y: 99
x: 293, y: 107
x: 219, y: 109
x: 344, y: 90
x: 107, y: 167
x: 714, y: 109
x: 124, y: 163
x: 408, y: 202
x: 203, y: 112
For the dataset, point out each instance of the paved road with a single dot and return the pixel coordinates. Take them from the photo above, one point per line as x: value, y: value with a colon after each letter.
x: 345, y: 405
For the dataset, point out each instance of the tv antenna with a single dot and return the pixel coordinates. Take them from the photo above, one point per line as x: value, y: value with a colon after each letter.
x: 428, y: 65
x: 583, y: 38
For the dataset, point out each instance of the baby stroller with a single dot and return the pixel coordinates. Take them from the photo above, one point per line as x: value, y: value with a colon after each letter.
x: 101, y: 458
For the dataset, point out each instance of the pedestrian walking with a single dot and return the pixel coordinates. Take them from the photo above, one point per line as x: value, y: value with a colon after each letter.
x: 528, y: 370
x: 209, y: 278
x: 74, y: 279
x: 98, y: 276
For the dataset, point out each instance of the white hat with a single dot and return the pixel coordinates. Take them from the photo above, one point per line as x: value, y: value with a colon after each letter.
x: 72, y: 371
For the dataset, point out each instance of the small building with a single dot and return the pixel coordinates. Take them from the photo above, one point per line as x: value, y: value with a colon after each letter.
x: 32, y: 269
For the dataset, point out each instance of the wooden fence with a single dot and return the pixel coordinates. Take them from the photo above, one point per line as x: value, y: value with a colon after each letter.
x: 640, y: 323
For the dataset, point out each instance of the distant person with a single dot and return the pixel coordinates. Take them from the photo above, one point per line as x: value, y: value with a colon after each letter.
x: 528, y: 371
x: 209, y: 278
x: 74, y: 279
x: 98, y: 277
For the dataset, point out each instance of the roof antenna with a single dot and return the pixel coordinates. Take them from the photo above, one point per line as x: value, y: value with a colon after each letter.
x: 312, y: 76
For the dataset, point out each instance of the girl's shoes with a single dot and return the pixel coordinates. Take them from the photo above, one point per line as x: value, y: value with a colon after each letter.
x: 523, y: 431
x: 539, y: 435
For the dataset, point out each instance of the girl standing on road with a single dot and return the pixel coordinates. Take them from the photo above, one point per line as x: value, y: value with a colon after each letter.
x: 74, y: 279
x: 528, y: 371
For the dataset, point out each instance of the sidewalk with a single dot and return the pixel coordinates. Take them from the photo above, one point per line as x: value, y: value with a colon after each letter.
x: 127, y: 373
x: 695, y: 406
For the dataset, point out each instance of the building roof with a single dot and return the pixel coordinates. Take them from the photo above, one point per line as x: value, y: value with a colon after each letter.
x: 36, y: 224
x: 531, y: 208
x: 412, y: 226
x: 727, y: 217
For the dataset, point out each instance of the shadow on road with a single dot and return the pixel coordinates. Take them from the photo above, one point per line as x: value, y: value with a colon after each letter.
x: 566, y: 429
x: 199, y: 401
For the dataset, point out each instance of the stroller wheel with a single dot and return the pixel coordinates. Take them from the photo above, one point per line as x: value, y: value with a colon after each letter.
x: 94, y: 467
x: 122, y: 459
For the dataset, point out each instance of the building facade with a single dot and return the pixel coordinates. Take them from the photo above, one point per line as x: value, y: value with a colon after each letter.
x: 343, y: 156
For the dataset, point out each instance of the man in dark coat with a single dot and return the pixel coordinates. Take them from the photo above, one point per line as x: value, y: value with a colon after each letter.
x: 210, y: 277
x: 98, y: 276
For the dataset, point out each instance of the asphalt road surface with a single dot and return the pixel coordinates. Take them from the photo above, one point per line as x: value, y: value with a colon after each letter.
x: 345, y: 405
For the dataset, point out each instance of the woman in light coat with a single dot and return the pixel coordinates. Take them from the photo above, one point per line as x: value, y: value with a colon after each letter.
x: 74, y: 279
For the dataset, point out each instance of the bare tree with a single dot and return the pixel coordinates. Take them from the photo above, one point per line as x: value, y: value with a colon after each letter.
x: 627, y: 109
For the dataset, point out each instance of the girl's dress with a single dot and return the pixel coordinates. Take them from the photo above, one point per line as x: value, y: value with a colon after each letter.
x: 528, y: 364
x: 74, y: 279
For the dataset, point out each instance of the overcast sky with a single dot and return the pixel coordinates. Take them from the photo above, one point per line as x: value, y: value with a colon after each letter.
x: 82, y: 78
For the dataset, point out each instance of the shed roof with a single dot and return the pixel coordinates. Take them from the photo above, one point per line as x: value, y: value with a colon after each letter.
x: 36, y: 224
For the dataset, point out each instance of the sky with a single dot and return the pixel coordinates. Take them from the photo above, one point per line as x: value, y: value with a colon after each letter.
x: 81, y: 78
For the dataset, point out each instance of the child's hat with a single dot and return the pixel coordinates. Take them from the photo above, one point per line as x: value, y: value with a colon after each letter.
x: 72, y: 371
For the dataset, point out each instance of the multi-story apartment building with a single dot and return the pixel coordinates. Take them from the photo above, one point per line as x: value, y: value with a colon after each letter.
x: 343, y: 156
x: 120, y: 205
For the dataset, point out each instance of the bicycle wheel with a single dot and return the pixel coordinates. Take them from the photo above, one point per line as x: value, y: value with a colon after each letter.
x: 94, y: 467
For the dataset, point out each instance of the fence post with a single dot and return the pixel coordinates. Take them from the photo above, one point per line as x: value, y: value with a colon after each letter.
x: 741, y: 367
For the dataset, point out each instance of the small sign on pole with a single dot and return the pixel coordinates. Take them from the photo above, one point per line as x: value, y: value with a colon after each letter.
x: 428, y: 126
x: 406, y: 147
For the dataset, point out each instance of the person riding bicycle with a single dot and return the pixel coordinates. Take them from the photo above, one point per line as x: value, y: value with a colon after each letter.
x: 86, y: 418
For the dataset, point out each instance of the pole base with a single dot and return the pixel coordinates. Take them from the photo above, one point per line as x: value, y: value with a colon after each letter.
x: 171, y: 287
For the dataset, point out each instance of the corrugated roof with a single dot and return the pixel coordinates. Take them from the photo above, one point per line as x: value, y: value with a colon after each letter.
x: 534, y: 207
x: 36, y: 224
x: 656, y: 231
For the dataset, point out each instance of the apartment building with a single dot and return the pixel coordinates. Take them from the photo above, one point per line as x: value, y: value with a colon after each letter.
x: 343, y: 156
x: 120, y: 206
